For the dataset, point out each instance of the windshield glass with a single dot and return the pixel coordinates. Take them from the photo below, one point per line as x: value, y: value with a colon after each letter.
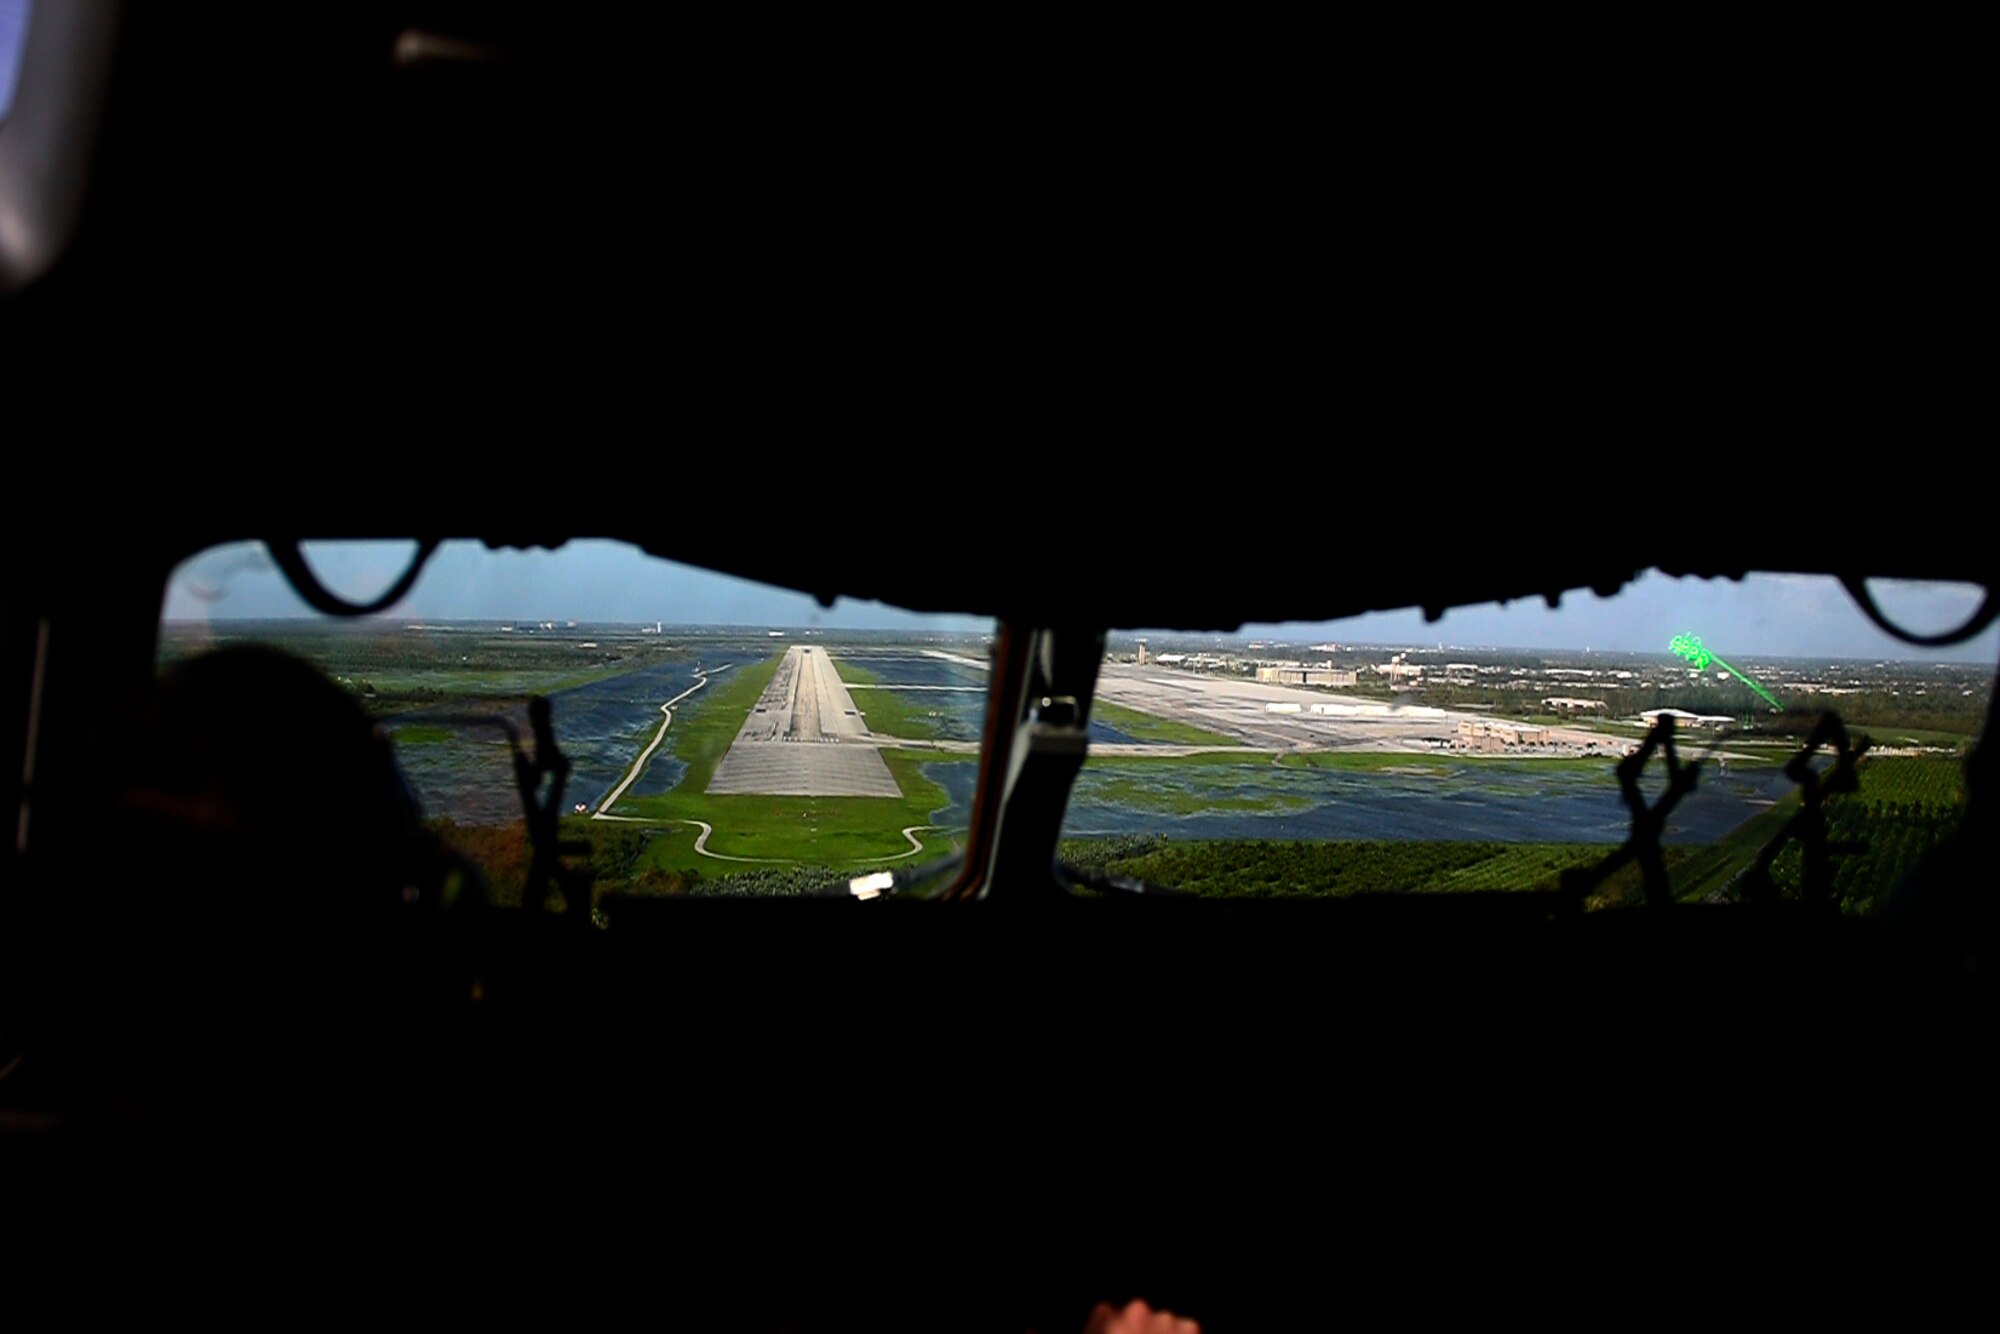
x: 723, y: 737
x: 13, y: 46
x: 1481, y: 752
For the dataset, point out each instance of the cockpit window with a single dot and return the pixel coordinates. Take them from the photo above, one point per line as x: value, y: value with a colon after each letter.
x: 13, y: 46
x: 722, y: 736
x: 1482, y: 752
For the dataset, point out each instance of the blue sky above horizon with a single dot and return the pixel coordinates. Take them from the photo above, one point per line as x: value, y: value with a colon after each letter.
x: 1771, y: 615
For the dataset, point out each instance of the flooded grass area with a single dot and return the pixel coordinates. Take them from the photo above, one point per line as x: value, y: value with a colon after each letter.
x: 1393, y: 796
x: 462, y: 768
x: 1118, y: 723
x: 914, y: 695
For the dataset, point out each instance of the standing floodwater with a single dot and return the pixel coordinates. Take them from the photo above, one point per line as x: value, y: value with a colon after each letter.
x: 1526, y: 801
x: 463, y: 771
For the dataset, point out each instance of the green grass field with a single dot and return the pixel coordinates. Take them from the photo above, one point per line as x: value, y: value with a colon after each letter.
x: 1700, y: 872
x: 1259, y: 869
x: 1142, y: 726
x: 1905, y: 805
x: 1910, y: 780
x: 825, y: 831
x: 418, y: 735
x: 1142, y: 764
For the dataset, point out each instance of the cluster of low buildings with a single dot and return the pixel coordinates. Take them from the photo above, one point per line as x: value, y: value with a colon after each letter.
x: 1489, y: 734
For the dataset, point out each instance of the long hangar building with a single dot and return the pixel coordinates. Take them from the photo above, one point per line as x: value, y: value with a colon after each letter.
x: 1307, y: 676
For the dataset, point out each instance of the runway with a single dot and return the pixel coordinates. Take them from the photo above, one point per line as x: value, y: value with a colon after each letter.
x: 804, y: 738
x: 1241, y: 708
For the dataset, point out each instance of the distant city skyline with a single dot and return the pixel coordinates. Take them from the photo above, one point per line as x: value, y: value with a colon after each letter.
x: 600, y: 581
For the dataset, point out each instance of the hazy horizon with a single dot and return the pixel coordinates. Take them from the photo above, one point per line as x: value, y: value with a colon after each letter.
x: 609, y: 583
x: 1121, y: 641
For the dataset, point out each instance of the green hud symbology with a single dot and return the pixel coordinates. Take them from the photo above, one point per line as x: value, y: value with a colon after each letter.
x: 1699, y: 658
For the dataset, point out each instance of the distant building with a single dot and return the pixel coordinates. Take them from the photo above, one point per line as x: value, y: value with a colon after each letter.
x: 1487, y: 734
x: 1683, y: 718
x: 1570, y: 704
x: 1307, y: 676
x: 1142, y: 653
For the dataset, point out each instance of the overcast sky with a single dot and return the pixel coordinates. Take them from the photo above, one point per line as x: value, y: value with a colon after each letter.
x: 1795, y: 615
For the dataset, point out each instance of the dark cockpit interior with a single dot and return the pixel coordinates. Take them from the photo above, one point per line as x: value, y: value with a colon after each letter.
x: 1076, y: 333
